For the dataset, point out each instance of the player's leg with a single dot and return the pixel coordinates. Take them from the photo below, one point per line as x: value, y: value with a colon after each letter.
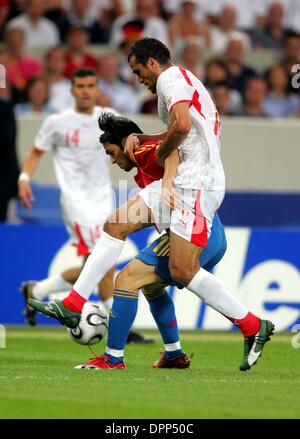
x: 124, y: 310
x: 125, y: 305
x: 132, y: 216
x: 106, y: 289
x: 60, y: 282
x: 139, y: 272
x: 41, y: 289
x: 186, y: 245
x: 163, y: 311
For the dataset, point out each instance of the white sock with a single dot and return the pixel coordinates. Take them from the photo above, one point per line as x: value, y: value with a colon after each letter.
x: 108, y: 303
x: 208, y: 287
x: 114, y: 352
x: 171, y: 347
x: 53, y: 284
x: 104, y: 256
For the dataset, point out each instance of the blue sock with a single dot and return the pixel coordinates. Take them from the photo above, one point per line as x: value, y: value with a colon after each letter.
x: 121, y: 318
x: 163, y: 311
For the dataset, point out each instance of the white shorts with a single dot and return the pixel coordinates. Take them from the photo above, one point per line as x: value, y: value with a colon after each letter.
x: 192, y: 220
x: 85, y: 222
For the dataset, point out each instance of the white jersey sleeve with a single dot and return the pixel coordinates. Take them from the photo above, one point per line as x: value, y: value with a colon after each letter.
x: 45, y: 138
x: 175, y: 89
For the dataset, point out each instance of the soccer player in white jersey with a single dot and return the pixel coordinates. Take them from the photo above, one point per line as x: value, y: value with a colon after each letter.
x: 196, y: 193
x: 81, y: 168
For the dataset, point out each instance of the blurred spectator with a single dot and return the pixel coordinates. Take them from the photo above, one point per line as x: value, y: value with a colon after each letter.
x: 279, y: 101
x: 190, y: 57
x: 38, y: 92
x: 4, y: 10
x: 216, y: 73
x: 185, y: 25
x: 221, y: 96
x: 9, y: 169
x: 108, y: 10
x: 255, y: 95
x: 16, y: 7
x: 291, y: 56
x: 55, y: 10
x: 249, y: 13
x: 146, y: 11
x: 123, y: 97
x: 60, y: 97
x: 21, y: 67
x: 173, y: 7
x: 39, y: 31
x: 81, y: 15
x: 271, y: 35
x: 238, y: 72
x: 77, y: 55
x: 293, y: 15
x: 149, y: 106
x: 132, y: 31
x: 221, y: 33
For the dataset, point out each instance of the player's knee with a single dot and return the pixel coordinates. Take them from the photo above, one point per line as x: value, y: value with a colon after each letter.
x: 181, y: 273
x: 153, y: 292
x: 124, y: 279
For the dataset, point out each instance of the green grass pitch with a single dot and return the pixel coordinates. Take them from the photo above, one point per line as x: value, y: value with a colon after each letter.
x: 37, y: 379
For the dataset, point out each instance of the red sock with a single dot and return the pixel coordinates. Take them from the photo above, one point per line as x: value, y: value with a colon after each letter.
x: 74, y: 302
x: 249, y: 325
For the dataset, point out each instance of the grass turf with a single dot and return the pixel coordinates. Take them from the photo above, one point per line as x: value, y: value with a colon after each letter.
x: 37, y: 380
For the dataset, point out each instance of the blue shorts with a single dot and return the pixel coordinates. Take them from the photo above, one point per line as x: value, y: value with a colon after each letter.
x: 157, y: 252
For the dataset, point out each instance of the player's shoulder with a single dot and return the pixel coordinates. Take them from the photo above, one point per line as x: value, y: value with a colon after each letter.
x: 170, y: 78
x: 62, y: 115
x: 51, y: 119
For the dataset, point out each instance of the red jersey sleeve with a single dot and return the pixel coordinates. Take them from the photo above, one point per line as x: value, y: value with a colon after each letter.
x: 148, y: 168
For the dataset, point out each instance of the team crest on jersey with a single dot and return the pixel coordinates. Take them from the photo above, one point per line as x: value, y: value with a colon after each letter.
x: 185, y: 213
x: 184, y: 217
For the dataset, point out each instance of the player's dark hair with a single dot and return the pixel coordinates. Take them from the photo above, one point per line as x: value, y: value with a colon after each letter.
x: 115, y: 128
x: 83, y: 73
x: 150, y: 48
x: 289, y: 33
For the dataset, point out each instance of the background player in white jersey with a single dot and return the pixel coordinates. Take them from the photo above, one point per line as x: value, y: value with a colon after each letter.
x: 81, y: 168
x: 197, y: 189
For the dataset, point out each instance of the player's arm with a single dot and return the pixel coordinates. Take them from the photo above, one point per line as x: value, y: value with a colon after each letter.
x: 179, y: 128
x: 134, y: 141
x: 171, y: 164
x: 28, y: 169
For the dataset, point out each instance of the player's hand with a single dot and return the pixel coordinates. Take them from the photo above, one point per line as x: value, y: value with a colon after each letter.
x: 169, y: 195
x: 132, y: 143
x: 25, y: 194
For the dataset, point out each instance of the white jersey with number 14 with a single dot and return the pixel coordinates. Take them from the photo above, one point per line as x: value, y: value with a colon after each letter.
x: 80, y: 163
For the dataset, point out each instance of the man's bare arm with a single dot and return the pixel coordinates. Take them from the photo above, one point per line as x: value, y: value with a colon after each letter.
x: 171, y: 164
x: 28, y: 169
x: 178, y: 130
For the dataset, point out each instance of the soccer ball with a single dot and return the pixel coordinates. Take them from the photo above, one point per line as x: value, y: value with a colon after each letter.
x: 93, y: 325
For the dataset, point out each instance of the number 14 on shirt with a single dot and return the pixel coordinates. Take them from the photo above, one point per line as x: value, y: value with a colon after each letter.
x: 72, y: 138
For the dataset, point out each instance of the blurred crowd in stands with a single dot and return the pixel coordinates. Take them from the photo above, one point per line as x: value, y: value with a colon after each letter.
x: 245, y: 51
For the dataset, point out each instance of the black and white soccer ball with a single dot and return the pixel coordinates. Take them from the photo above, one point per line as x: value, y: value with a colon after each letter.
x: 93, y: 325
